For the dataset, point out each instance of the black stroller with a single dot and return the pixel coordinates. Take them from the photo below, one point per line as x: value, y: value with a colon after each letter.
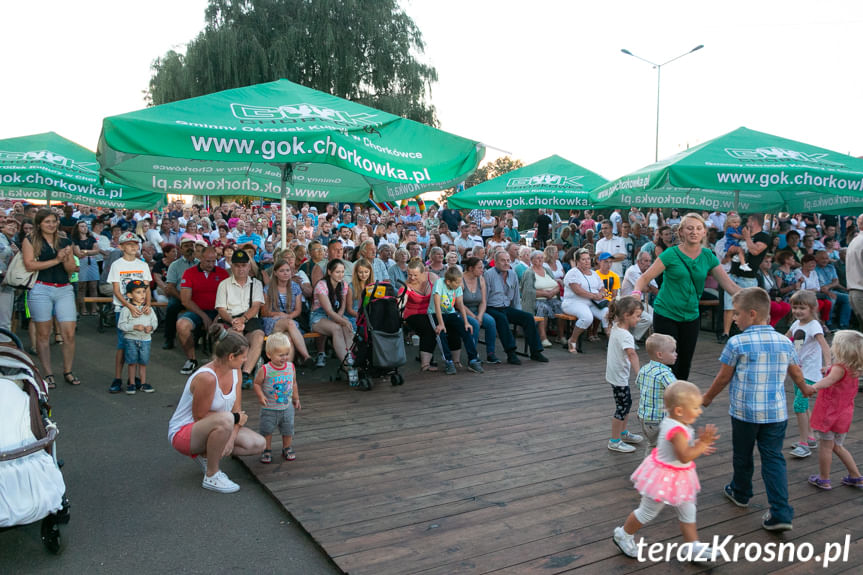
x: 378, y: 349
x: 31, y: 485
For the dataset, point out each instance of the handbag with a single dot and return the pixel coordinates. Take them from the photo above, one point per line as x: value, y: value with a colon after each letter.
x: 601, y: 304
x: 17, y: 275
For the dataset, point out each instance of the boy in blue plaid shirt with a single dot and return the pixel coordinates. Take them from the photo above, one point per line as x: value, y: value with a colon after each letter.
x: 652, y: 379
x: 755, y: 363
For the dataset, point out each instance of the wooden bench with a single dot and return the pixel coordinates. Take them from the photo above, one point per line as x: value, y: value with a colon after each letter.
x: 712, y: 306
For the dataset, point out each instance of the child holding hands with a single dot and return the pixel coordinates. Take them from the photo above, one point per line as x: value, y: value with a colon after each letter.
x: 834, y: 409
x: 755, y: 364
x: 807, y: 335
x: 667, y: 476
x: 623, y: 314
x: 276, y: 388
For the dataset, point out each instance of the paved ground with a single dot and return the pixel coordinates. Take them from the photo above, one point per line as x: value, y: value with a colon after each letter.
x: 137, y: 506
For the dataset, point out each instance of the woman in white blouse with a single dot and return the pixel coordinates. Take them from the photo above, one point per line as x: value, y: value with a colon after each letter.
x: 583, y: 296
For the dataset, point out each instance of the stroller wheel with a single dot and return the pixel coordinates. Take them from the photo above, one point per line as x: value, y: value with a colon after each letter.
x: 51, y: 534
x: 397, y: 379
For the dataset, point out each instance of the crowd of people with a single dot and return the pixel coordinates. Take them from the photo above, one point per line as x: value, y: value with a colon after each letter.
x: 220, y: 275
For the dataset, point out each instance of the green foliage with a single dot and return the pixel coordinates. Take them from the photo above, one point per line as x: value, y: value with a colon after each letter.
x: 360, y: 50
x: 488, y: 171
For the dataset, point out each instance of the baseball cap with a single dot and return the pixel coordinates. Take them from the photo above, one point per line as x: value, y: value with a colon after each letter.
x: 604, y: 256
x: 135, y: 284
x: 128, y: 237
x: 187, y: 238
x: 201, y: 243
x: 239, y: 257
x: 347, y: 209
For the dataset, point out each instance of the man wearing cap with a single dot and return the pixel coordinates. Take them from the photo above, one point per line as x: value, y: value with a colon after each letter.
x: 238, y: 301
x: 125, y: 269
x: 504, y: 305
x: 198, y: 296
x: 613, y: 246
x: 173, y: 277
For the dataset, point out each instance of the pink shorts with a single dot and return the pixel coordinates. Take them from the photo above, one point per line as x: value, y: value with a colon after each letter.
x: 182, y: 441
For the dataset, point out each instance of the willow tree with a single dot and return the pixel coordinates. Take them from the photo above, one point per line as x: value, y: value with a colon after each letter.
x: 361, y: 50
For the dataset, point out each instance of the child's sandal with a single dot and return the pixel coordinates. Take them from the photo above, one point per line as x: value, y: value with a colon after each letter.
x: 288, y: 454
x: 267, y: 456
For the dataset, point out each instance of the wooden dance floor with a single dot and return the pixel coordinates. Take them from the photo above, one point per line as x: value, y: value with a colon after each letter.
x: 508, y: 472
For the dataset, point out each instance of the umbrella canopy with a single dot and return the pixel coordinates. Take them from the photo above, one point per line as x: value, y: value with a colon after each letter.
x: 50, y: 167
x: 550, y: 183
x: 261, y: 140
x: 747, y: 171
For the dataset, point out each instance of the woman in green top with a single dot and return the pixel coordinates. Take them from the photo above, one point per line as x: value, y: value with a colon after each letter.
x: 684, y: 268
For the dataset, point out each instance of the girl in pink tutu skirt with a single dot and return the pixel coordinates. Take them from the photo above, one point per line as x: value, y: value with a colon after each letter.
x: 667, y: 476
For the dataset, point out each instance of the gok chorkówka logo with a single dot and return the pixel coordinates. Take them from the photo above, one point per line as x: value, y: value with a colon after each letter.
x: 554, y: 180
x: 47, y: 157
x: 301, y: 113
x: 775, y: 154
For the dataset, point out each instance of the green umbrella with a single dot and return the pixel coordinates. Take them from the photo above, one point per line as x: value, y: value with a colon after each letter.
x: 550, y: 183
x: 747, y: 171
x: 50, y: 167
x: 262, y: 140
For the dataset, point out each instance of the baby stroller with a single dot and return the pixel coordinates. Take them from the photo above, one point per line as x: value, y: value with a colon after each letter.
x: 31, y: 485
x: 378, y: 349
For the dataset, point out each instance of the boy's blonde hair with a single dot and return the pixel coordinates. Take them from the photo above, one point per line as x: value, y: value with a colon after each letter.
x: 805, y: 297
x: 276, y: 341
x: 659, y: 342
x: 847, y: 348
x: 755, y: 299
x: 678, y: 392
x: 452, y: 274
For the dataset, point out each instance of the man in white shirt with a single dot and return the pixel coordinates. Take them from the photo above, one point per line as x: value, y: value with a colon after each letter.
x: 628, y: 284
x: 474, y: 235
x: 616, y: 218
x: 716, y: 220
x: 854, y: 271
x: 464, y: 243
x: 614, y: 246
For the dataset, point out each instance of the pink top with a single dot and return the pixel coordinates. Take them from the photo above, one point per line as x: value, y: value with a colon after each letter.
x: 417, y: 303
x: 322, y: 292
x: 834, y: 405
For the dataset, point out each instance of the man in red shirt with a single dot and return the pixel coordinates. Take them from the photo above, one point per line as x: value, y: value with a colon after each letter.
x: 198, y: 295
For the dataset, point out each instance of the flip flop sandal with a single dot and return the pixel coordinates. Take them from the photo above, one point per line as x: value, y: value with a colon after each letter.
x: 428, y: 367
x: 267, y: 456
x: 288, y: 454
x: 71, y: 378
x: 49, y: 382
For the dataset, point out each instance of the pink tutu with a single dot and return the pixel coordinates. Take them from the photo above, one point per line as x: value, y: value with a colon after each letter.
x: 664, y: 482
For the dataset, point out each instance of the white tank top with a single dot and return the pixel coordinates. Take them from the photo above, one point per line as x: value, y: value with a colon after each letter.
x: 221, y: 402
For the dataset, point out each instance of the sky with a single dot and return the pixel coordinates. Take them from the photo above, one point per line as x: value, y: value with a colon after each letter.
x: 530, y: 79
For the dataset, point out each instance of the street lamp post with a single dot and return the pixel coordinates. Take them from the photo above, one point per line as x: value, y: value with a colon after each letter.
x: 658, y: 74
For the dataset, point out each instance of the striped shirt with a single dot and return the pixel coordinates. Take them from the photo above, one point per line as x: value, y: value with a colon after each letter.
x: 760, y: 357
x: 652, y: 379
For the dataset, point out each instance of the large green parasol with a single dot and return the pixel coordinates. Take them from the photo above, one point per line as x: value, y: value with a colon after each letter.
x: 50, y: 167
x: 550, y: 183
x: 746, y: 171
x: 281, y: 139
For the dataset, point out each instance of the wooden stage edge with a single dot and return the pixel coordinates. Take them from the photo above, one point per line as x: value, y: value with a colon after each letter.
x: 507, y: 472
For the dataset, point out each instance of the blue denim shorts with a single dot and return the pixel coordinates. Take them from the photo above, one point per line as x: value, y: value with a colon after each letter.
x: 136, y: 351
x: 46, y: 302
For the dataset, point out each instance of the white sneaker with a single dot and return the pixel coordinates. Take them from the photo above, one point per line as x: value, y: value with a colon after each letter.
x: 620, y: 446
x: 735, y: 258
x: 801, y: 451
x: 321, y: 361
x: 745, y: 268
x: 630, y: 437
x: 220, y: 482
x: 625, y: 542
